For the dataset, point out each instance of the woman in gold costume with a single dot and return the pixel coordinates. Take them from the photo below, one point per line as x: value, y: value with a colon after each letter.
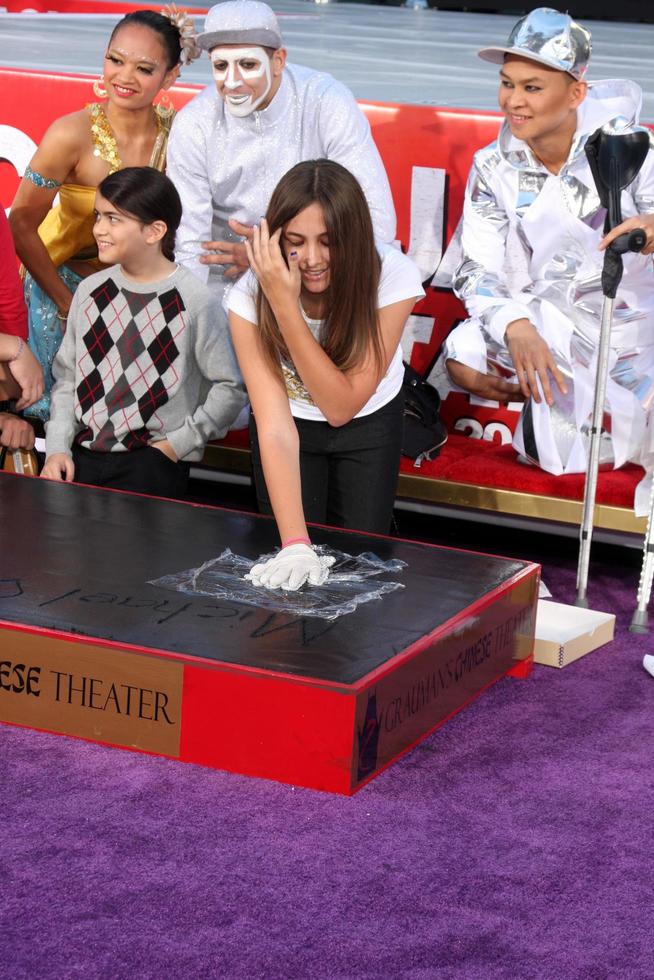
x: 78, y: 151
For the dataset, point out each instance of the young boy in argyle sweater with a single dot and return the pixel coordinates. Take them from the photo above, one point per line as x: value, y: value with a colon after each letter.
x: 145, y: 375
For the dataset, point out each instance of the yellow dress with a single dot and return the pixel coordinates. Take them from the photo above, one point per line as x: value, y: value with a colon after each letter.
x: 67, y: 230
x: 67, y: 233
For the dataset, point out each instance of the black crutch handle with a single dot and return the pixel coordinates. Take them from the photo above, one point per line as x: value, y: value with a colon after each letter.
x: 631, y: 241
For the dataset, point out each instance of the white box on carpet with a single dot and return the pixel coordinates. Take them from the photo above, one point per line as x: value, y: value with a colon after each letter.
x: 566, y: 633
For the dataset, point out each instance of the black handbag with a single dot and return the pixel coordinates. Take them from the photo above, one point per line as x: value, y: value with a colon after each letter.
x: 424, y: 431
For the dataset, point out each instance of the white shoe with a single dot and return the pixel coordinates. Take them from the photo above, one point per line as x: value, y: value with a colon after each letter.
x: 648, y: 663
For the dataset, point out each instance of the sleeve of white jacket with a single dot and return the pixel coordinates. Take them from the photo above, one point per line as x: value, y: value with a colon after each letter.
x: 186, y: 165
x: 481, y: 280
x: 347, y: 139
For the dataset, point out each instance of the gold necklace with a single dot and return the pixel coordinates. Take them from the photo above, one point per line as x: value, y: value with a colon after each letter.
x: 104, y: 141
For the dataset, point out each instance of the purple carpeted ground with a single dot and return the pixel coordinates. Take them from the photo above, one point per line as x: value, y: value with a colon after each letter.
x: 515, y: 842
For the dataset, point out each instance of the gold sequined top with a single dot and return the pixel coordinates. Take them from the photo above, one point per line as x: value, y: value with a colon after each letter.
x: 67, y: 229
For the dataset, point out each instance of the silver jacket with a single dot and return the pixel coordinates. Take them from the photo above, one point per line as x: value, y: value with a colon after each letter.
x: 227, y: 167
x: 531, y: 236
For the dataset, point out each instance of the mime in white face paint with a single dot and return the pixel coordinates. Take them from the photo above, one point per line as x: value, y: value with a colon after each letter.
x: 243, y: 78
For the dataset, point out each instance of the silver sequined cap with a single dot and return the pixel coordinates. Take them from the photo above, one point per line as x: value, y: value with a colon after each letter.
x: 549, y: 37
x: 240, y: 22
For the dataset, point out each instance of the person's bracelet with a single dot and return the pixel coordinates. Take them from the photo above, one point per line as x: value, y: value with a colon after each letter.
x: 19, y: 350
x: 61, y: 316
x: 290, y: 541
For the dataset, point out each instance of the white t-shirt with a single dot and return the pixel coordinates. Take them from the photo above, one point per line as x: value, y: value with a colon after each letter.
x: 399, y: 279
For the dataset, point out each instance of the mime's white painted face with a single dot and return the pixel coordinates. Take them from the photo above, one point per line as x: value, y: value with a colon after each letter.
x: 243, y: 77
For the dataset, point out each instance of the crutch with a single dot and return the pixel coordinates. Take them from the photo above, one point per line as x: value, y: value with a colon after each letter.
x: 615, y: 157
x: 640, y: 619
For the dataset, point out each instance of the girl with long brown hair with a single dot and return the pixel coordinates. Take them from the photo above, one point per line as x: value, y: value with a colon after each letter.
x: 316, y: 324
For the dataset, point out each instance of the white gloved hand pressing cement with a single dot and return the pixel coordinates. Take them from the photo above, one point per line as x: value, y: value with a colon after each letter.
x: 291, y: 568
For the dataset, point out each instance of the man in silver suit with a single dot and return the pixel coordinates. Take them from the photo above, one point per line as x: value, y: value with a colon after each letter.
x: 533, y: 245
x: 231, y: 144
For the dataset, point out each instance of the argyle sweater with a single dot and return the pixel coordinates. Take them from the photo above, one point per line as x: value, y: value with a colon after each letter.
x: 142, y: 362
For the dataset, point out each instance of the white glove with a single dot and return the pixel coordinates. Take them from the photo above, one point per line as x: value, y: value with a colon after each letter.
x: 291, y: 568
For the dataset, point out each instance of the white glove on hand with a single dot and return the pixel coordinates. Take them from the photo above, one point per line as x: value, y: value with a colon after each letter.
x: 291, y: 568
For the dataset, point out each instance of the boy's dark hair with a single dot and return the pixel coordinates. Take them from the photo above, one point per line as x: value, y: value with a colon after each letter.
x: 168, y: 33
x: 147, y: 195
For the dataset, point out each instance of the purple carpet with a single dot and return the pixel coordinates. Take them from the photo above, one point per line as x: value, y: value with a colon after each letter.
x: 515, y: 842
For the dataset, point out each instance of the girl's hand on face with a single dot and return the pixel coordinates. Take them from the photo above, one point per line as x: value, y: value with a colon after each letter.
x: 280, y: 282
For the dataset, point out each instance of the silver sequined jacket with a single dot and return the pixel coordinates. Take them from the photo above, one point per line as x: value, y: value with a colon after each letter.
x: 530, y: 235
x: 227, y: 167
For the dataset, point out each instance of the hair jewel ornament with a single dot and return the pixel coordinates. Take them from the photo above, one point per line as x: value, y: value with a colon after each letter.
x: 187, y: 33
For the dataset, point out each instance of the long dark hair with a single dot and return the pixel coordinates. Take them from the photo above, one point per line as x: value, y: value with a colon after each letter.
x: 168, y: 33
x: 350, y: 329
x: 147, y: 195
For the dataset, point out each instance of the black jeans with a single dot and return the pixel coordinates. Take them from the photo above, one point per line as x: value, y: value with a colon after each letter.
x: 349, y: 474
x: 145, y: 470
